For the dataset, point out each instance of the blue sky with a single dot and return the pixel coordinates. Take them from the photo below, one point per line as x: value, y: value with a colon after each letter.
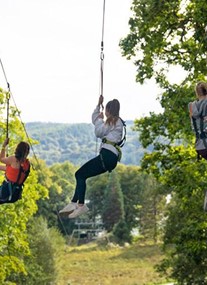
x: 50, y: 50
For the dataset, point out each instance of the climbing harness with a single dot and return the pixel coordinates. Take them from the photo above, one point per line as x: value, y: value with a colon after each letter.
x: 119, y: 144
x: 10, y: 191
x: 117, y: 147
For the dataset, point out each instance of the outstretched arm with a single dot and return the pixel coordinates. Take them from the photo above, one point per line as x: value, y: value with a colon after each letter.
x: 2, y: 168
x: 3, y: 158
x: 97, y: 114
x: 3, y: 152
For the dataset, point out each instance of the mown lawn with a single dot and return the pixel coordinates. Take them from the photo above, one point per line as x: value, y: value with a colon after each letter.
x: 95, y: 265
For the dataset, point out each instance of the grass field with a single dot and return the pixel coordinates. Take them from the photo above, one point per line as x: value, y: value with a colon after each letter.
x: 94, y: 265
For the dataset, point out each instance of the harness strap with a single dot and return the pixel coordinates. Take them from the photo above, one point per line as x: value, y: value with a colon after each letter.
x: 12, y: 186
x: 123, y: 140
x: 19, y: 174
x: 10, y: 190
x: 26, y: 173
x: 104, y: 140
x: 195, y: 128
x: 202, y: 135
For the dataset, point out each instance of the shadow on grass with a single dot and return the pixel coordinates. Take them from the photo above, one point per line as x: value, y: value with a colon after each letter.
x: 138, y: 251
x: 135, y: 251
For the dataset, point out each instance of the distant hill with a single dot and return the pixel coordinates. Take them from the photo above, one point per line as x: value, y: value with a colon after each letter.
x: 59, y: 142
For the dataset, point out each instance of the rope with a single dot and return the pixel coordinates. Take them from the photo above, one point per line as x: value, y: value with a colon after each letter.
x: 7, y: 114
x: 24, y: 128
x: 4, y: 73
x: 101, y: 65
x: 61, y: 222
x: 9, y: 95
x: 102, y: 54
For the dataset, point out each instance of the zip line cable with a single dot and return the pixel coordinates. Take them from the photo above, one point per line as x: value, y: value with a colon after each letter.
x: 4, y: 74
x: 7, y: 99
x: 23, y: 125
x: 9, y: 95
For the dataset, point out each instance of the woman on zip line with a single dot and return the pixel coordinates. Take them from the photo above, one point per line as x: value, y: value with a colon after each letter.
x: 111, y: 134
x: 17, y: 168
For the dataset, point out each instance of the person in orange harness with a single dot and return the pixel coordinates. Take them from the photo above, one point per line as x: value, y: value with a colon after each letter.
x: 17, y: 168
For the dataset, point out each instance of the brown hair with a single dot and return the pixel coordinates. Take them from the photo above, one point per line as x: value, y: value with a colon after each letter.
x: 22, y: 150
x: 112, y: 107
x: 201, y: 88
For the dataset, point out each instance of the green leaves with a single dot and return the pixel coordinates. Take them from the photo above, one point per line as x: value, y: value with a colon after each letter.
x: 14, y: 217
x: 166, y: 34
x: 113, y: 209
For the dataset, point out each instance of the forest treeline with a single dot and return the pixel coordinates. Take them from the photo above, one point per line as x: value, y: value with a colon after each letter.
x: 33, y: 237
x: 58, y: 142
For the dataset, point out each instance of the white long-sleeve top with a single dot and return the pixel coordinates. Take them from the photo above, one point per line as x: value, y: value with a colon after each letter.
x: 112, y: 133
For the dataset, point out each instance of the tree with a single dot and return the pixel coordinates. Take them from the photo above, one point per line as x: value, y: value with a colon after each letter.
x: 46, y: 246
x: 95, y: 194
x: 121, y: 232
x: 166, y: 34
x: 14, y: 217
x: 113, y: 210
x: 139, y: 194
x: 60, y: 182
x: 152, y: 210
x: 133, y: 185
x: 143, y: 204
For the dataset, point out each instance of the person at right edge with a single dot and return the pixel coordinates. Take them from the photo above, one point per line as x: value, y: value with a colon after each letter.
x: 110, y: 132
x: 198, y: 115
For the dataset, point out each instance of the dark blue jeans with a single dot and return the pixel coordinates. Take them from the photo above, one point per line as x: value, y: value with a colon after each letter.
x: 10, y: 192
x: 105, y: 161
x: 203, y: 153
